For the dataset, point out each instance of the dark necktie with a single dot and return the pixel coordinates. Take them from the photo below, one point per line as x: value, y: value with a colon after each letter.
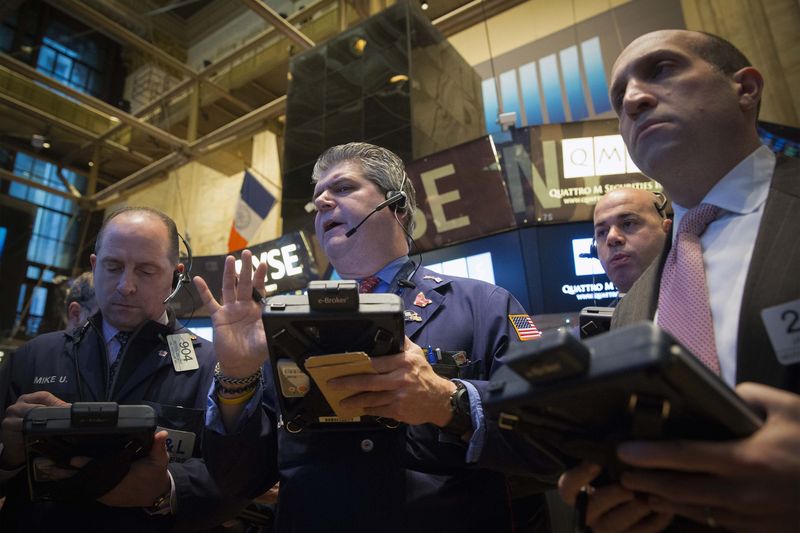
x: 684, y: 308
x: 122, y: 338
x: 368, y: 284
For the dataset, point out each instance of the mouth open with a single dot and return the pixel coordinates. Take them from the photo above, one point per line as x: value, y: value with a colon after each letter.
x: 329, y: 225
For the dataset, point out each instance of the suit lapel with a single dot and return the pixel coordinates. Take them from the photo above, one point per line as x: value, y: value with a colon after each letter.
x: 771, y: 280
x: 641, y: 302
x: 93, y: 369
x: 435, y: 293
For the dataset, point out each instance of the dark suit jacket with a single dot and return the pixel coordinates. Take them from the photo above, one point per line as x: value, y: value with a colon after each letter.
x: 413, y: 478
x: 773, y: 279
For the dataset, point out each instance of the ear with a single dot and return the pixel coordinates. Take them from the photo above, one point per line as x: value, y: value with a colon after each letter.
x: 73, y: 312
x: 750, y: 86
x: 93, y: 261
x: 666, y: 225
x: 180, y: 267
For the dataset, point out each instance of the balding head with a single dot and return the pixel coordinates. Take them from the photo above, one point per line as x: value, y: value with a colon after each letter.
x: 629, y: 232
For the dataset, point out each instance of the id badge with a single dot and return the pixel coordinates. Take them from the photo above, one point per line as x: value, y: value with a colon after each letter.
x: 783, y: 327
x: 181, y: 349
x: 180, y: 444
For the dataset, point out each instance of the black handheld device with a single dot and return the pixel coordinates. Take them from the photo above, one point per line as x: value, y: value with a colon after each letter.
x: 332, y: 318
x: 579, y: 400
x: 594, y: 320
x: 111, y: 435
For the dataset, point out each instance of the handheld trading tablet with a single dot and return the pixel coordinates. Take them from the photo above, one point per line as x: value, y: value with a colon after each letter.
x: 331, y: 331
x: 578, y: 400
x: 112, y: 435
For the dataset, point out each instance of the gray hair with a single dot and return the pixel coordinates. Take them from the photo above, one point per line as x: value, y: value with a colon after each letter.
x: 378, y: 165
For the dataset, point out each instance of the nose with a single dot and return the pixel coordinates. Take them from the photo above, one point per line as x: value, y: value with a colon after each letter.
x: 615, y: 237
x: 323, y: 202
x: 126, y: 284
x: 637, y: 98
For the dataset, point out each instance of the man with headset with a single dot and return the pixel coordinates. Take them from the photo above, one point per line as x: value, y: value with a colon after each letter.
x: 121, y: 354
x: 630, y: 228
x: 432, y: 473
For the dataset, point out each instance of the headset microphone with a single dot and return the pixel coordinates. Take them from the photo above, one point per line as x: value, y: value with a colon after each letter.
x: 396, y: 198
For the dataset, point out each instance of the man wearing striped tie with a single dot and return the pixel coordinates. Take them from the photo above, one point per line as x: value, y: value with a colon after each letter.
x: 726, y: 287
x: 440, y: 470
x: 124, y: 353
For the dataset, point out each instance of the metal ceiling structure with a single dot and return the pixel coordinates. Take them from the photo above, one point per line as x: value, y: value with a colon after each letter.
x: 206, y: 109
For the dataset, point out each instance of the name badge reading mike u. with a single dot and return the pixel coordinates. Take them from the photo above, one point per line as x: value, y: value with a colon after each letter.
x: 182, y: 351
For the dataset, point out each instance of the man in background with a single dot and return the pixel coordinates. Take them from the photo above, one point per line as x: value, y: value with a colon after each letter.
x: 726, y: 287
x: 630, y: 228
x: 80, y: 301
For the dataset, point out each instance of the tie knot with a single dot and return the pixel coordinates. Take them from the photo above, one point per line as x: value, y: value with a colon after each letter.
x: 698, y: 218
x: 122, y: 338
x: 368, y: 284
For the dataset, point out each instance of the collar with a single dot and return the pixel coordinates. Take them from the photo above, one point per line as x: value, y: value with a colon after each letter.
x: 389, y: 272
x: 110, y: 331
x: 741, y: 191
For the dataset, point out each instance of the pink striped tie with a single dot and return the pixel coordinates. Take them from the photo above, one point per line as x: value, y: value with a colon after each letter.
x: 683, y: 302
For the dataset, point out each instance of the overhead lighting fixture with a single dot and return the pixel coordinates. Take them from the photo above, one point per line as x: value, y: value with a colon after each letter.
x: 424, y: 5
x: 45, y: 145
x: 359, y: 45
x: 112, y: 118
x: 91, y: 164
x: 39, y: 141
x: 398, y: 78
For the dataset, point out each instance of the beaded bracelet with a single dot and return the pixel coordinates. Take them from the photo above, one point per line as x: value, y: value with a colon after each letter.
x: 221, y: 378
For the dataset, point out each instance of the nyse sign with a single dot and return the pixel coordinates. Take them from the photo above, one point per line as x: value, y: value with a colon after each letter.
x: 290, y: 266
x: 461, y: 195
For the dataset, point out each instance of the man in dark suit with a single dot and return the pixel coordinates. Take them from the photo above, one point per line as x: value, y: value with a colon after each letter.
x: 441, y: 469
x: 687, y: 105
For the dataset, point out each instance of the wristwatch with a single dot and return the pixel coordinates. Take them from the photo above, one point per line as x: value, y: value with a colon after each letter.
x: 461, y: 422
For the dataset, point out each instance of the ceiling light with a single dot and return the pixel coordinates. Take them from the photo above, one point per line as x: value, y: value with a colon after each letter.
x: 424, y: 5
x: 91, y: 163
x: 112, y: 118
x: 359, y: 45
x: 398, y: 78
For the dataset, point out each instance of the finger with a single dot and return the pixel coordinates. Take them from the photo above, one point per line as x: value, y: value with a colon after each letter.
x: 229, y: 281
x: 158, y: 452
x: 364, y: 382
x: 260, y: 279
x: 368, y: 400
x: 708, y: 515
x: 388, y: 363
x: 652, y: 523
x: 679, y: 487
x: 684, y: 456
x: 42, y: 398
x: 571, y: 482
x: 767, y: 398
x: 206, y: 297
x: 244, y: 289
x: 79, y: 461
x: 619, y: 517
x: 45, y: 469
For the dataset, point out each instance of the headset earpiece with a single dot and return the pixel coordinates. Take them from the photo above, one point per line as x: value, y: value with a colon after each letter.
x: 593, y: 250
x: 397, y: 204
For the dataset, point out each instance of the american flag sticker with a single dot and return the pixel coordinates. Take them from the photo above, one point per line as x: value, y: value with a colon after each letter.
x: 524, y: 326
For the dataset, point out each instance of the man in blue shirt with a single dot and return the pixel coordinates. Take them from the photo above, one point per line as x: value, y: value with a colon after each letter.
x: 441, y: 468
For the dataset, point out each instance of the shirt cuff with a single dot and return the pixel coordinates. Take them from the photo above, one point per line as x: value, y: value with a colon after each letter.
x: 214, y: 416
x: 171, y: 506
x: 478, y: 438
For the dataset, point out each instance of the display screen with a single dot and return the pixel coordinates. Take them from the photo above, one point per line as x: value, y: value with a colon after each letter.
x: 567, y: 279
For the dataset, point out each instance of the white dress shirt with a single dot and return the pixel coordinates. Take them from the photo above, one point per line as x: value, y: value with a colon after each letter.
x: 728, y: 244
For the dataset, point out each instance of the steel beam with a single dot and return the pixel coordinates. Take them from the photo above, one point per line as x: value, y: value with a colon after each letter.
x: 118, y: 32
x: 96, y: 104
x: 282, y: 25
x: 72, y: 128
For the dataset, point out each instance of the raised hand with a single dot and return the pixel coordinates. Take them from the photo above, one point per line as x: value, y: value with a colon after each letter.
x: 239, y: 339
